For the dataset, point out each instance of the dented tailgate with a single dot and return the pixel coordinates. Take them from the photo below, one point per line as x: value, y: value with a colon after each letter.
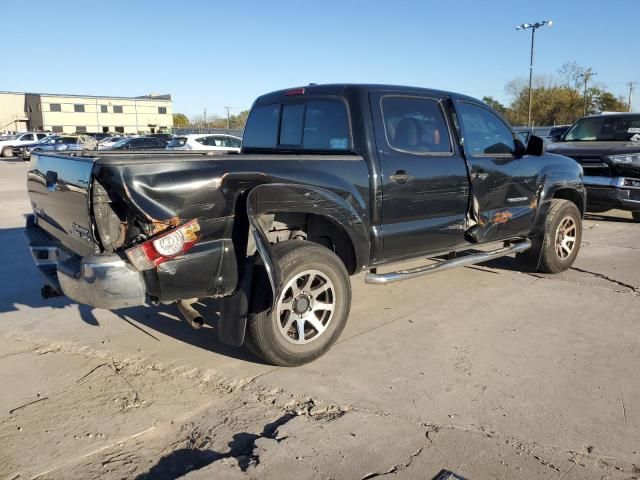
x: 59, y: 187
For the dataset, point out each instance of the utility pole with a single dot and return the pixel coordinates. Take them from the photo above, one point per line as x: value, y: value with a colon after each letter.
x: 630, y: 85
x: 227, y: 109
x: 586, y: 75
x: 533, y: 27
x: 205, y: 119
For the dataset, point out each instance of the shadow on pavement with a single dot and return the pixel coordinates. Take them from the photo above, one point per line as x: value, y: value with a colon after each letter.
x: 241, y: 447
x: 596, y: 217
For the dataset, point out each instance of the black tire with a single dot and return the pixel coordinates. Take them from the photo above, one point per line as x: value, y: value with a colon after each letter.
x: 636, y: 216
x: 551, y: 261
x: 7, y: 152
x: 264, y: 335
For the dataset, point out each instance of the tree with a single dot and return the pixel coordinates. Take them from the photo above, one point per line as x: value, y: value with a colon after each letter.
x: 559, y: 100
x: 603, y: 101
x: 572, y: 75
x: 495, y: 104
x: 180, y: 120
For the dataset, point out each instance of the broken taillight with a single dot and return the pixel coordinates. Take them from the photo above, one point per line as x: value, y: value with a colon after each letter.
x: 165, y: 246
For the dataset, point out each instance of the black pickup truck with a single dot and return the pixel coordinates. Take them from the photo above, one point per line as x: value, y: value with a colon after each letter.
x: 608, y: 148
x: 332, y: 180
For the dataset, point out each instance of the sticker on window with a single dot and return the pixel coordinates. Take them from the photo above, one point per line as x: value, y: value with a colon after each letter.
x: 338, y: 143
x: 634, y: 130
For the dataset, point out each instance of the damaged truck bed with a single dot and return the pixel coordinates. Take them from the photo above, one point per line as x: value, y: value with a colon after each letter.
x: 332, y: 180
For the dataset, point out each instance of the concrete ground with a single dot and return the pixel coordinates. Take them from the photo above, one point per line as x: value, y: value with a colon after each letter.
x: 483, y: 371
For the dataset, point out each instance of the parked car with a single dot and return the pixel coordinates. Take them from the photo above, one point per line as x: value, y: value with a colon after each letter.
x: 332, y: 180
x: 198, y: 141
x: 166, y: 137
x: 24, y: 151
x: 108, y: 142
x: 556, y: 132
x: 9, y: 142
x: 138, y: 143
x: 608, y: 148
x: 62, y: 143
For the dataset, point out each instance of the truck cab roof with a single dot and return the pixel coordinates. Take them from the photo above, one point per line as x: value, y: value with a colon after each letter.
x: 345, y: 89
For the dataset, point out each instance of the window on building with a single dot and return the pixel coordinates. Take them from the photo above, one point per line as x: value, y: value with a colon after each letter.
x: 103, y: 109
x: 81, y: 129
x: 119, y: 129
x: 30, y: 108
x: 55, y: 107
x: 162, y: 110
x: 78, y: 107
x: 57, y: 129
x: 117, y: 109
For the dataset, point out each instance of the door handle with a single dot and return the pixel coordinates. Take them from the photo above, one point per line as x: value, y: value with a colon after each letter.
x: 400, y: 177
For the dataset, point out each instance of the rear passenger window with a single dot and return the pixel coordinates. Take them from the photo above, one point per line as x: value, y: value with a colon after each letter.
x: 326, y: 126
x: 484, y: 133
x: 415, y: 125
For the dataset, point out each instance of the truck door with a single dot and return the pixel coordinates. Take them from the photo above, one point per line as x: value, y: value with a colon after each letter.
x: 503, y: 185
x: 425, y: 187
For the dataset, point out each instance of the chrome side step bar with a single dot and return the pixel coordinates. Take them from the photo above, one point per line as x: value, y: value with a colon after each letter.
x: 386, y: 278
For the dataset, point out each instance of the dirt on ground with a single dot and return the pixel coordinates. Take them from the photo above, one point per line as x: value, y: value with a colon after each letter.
x: 483, y: 371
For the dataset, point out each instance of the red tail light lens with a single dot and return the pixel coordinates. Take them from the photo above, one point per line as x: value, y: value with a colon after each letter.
x: 294, y: 91
x: 167, y: 245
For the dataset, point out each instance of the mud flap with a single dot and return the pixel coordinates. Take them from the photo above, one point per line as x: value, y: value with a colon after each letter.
x: 235, y: 309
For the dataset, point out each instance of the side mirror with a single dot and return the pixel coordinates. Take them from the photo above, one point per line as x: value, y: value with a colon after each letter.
x: 535, y: 146
x: 521, y: 149
x: 556, y: 138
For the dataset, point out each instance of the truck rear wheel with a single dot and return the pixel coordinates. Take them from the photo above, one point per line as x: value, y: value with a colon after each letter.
x: 311, y: 311
x: 636, y: 216
x: 562, y: 238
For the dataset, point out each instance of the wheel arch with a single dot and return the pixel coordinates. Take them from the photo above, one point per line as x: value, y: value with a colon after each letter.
x: 345, y: 225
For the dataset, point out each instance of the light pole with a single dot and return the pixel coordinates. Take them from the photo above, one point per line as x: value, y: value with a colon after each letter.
x: 227, y: 108
x: 533, y: 27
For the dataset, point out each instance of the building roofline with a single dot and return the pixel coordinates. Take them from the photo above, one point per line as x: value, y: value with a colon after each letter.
x: 163, y: 97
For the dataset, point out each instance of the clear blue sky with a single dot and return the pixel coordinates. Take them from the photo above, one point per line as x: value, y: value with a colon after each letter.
x: 210, y: 54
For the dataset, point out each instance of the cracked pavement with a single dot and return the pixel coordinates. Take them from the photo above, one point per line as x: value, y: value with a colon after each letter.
x: 483, y: 371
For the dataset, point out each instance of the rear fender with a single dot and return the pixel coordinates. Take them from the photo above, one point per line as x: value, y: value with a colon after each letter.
x: 278, y: 198
x: 274, y: 198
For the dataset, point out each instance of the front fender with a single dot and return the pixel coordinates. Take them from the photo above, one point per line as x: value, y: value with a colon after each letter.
x: 560, y: 178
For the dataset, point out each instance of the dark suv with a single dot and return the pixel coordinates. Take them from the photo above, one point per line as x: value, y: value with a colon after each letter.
x: 608, y: 148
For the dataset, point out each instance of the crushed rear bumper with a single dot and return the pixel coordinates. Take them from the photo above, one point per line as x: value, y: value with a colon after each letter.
x: 102, y: 281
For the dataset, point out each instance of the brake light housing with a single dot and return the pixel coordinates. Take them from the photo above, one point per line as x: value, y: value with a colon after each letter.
x: 163, y: 247
x: 294, y: 91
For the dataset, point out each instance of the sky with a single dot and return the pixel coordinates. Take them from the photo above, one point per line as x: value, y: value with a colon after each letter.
x: 210, y: 54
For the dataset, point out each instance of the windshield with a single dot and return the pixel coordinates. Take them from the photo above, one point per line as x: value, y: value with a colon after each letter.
x: 605, y: 128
